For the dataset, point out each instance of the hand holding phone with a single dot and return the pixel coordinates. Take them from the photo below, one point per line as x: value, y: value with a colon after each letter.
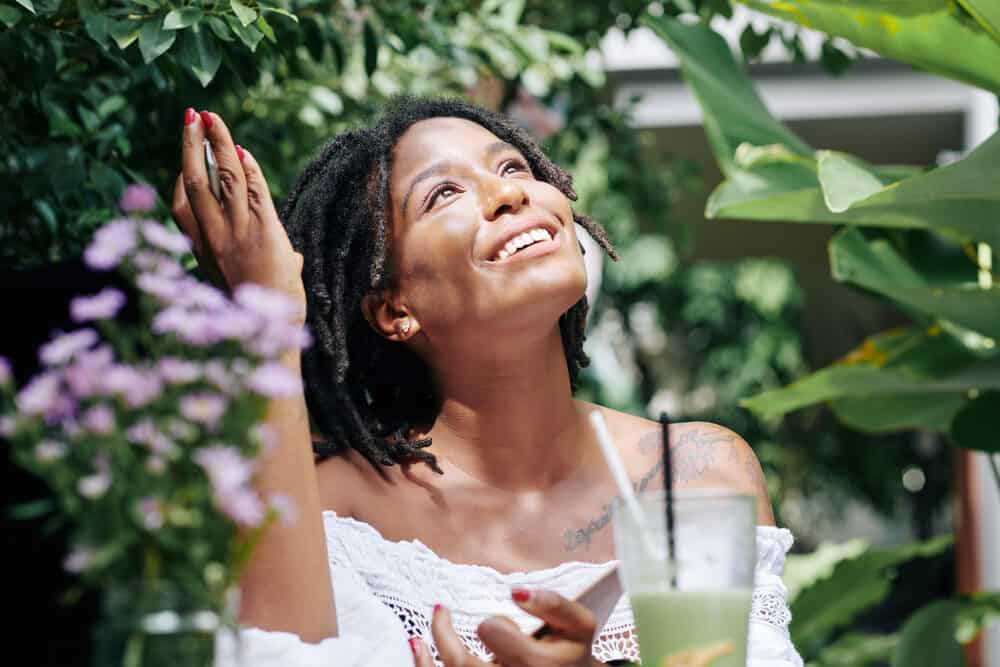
x: 212, y: 167
x: 600, y: 597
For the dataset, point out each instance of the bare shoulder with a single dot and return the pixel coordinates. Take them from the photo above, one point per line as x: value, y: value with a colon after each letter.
x: 703, y: 455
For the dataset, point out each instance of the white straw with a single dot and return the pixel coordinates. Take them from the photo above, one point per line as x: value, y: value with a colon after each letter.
x: 622, y: 481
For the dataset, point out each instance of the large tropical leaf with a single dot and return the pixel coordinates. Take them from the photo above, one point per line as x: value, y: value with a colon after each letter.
x: 930, y: 34
x: 876, y: 266
x: 928, y: 637
x: 773, y: 175
x: 854, y: 585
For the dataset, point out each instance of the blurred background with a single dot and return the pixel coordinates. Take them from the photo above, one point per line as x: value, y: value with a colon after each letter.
x: 897, y: 539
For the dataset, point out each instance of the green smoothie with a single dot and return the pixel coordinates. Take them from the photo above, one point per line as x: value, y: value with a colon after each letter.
x: 692, y: 628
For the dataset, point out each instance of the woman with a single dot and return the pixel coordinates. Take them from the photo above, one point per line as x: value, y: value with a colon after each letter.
x: 436, y: 260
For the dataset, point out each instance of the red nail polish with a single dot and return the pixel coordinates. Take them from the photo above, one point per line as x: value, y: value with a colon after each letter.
x: 206, y: 118
x: 188, y: 116
x: 413, y: 645
x: 520, y: 595
x: 437, y: 608
x: 239, y: 152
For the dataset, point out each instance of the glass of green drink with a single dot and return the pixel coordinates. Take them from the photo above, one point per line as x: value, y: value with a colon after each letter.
x: 694, y: 610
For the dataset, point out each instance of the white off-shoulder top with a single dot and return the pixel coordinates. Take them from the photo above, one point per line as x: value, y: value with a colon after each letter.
x: 386, y: 591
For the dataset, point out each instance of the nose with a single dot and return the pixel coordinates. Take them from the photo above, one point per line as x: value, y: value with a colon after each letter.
x: 503, y: 196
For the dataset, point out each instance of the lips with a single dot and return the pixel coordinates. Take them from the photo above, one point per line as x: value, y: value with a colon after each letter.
x: 522, y: 237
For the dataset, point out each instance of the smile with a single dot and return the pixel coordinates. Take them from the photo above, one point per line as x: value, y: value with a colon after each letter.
x: 531, y: 243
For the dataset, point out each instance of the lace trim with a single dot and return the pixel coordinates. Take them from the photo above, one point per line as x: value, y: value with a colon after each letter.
x: 409, y: 578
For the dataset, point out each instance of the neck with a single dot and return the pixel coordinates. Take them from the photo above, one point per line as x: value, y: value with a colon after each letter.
x: 508, y: 419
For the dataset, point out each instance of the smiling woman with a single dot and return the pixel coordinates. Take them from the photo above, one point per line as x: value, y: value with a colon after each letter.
x: 443, y: 280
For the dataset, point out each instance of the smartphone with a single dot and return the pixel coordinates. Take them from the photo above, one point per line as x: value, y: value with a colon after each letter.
x: 212, y: 167
x: 600, y: 597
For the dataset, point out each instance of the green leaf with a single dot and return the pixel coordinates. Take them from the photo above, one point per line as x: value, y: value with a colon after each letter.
x: 245, y: 14
x: 27, y: 4
x: 125, y: 32
x: 249, y: 35
x: 987, y: 12
x: 96, y: 22
x: 32, y: 509
x: 752, y: 42
x: 928, y: 637
x: 855, y: 649
x: 266, y: 29
x: 220, y: 29
x: 875, y: 265
x: 280, y: 11
x: 110, y: 105
x: 200, y: 54
x: 977, y: 426
x: 924, y: 33
x: 9, y: 16
x: 734, y: 113
x: 371, y: 48
x: 845, y: 180
x: 854, y: 585
x: 894, y: 413
x: 154, y: 40
x: 185, y: 17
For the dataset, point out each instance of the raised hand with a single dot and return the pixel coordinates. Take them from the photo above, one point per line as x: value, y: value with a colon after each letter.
x: 239, y: 239
x: 568, y: 645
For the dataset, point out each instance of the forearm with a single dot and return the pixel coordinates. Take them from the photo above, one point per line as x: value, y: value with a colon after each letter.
x: 286, y: 582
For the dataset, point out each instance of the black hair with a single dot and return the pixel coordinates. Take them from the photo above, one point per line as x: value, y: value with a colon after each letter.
x: 364, y: 392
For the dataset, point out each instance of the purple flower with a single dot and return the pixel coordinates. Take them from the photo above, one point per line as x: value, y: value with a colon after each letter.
x: 141, y: 432
x: 40, y: 395
x: 8, y: 426
x: 103, y: 305
x: 64, y: 347
x: 47, y: 451
x: 111, y: 244
x: 159, y: 236
x: 277, y: 337
x: 5, y: 372
x: 138, y: 198
x: 226, y: 468
x: 151, y: 261
x: 138, y: 388
x: 94, y: 486
x: 85, y: 375
x: 201, y: 296
x: 164, y: 288
x: 242, y: 505
x: 268, y: 303
x: 283, y: 505
x: 99, y: 419
x: 274, y: 380
x: 151, y: 510
x: 79, y: 559
x: 266, y: 437
x: 204, y: 408
x: 178, y: 371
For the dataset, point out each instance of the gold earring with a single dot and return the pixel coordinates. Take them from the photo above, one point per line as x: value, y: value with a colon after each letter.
x: 405, y: 327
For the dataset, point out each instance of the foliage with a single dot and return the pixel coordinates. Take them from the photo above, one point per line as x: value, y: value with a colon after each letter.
x: 94, y: 91
x: 148, y: 433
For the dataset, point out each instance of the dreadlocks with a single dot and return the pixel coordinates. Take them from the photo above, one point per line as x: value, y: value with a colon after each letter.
x: 364, y: 392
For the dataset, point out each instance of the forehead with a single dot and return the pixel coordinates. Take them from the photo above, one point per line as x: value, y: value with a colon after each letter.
x: 440, y: 139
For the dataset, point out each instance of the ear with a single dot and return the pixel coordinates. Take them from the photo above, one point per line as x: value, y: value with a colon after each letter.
x: 388, y: 318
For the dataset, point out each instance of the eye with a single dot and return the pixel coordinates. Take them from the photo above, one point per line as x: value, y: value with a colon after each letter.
x: 515, y: 166
x: 444, y: 190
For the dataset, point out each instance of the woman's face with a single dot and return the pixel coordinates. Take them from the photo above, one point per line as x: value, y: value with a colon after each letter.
x: 478, y: 240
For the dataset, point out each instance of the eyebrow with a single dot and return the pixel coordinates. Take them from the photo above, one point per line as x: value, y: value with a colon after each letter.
x: 439, y: 167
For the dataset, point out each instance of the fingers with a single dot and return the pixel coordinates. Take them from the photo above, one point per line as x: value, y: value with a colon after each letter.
x: 258, y: 193
x: 568, y: 619
x: 421, y: 654
x: 184, y: 217
x: 231, y: 177
x: 450, y: 648
x: 513, y: 648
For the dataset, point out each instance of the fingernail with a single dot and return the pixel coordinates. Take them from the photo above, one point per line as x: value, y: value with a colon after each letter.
x: 189, y: 116
x: 206, y: 118
x: 413, y: 645
x: 437, y: 608
x: 239, y: 152
x: 520, y: 595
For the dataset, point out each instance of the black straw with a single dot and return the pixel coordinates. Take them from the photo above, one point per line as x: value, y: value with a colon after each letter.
x: 668, y: 488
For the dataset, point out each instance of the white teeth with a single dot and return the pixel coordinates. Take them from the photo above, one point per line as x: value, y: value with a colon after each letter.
x: 523, y: 240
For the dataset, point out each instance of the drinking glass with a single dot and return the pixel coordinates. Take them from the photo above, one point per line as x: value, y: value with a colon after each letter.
x: 694, y: 610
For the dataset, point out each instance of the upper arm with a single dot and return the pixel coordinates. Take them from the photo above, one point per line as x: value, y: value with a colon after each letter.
x: 733, y: 464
